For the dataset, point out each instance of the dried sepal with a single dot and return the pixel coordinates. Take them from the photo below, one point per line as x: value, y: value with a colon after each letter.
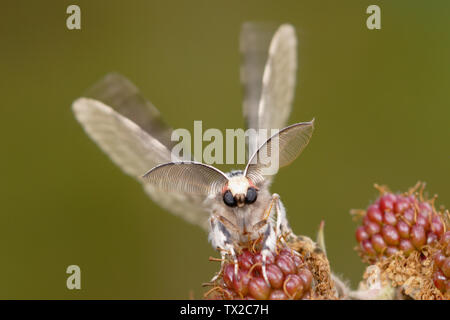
x: 318, y: 263
x: 401, y: 277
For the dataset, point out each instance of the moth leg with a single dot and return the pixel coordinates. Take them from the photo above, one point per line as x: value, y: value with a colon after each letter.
x: 221, y: 239
x: 277, y: 226
x: 273, y: 227
x: 281, y: 219
x: 269, y: 246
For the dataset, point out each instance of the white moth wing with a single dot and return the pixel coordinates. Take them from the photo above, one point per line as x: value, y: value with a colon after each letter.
x: 254, y: 45
x: 135, y: 151
x: 128, y: 146
x: 268, y: 74
x: 278, y: 81
x: 187, y: 206
x: 119, y: 93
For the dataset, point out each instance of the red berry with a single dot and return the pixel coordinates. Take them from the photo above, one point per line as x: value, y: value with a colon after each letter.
x: 403, y: 229
x: 409, y: 216
x: 378, y: 243
x: 240, y: 284
x: 368, y: 248
x: 391, y: 251
x: 361, y: 234
x: 423, y: 221
x: 372, y: 228
x: 387, y: 202
x: 406, y: 246
x: 389, y: 218
x: 228, y: 275
x: 258, y: 288
x: 446, y: 267
x: 286, y: 264
x: 390, y: 235
x: 257, y: 258
x: 426, y: 208
x: 245, y: 259
x: 306, y: 277
x: 437, y: 226
x: 431, y: 237
x: 439, y: 259
x: 275, y: 276
x: 374, y: 214
x: 294, y: 286
x: 297, y: 260
x: 418, y: 236
x: 278, y: 295
x: 401, y: 205
x: 439, y: 280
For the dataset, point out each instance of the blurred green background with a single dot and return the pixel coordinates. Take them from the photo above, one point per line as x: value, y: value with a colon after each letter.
x: 381, y: 100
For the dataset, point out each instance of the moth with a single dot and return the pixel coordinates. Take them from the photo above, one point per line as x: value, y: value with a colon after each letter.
x: 234, y: 207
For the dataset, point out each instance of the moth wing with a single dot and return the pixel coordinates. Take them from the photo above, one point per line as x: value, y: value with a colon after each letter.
x: 268, y: 74
x: 128, y: 146
x: 254, y: 45
x: 119, y: 93
x: 134, y: 136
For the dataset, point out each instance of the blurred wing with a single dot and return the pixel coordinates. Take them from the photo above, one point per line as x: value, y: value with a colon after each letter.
x: 117, y: 92
x: 268, y: 74
x: 131, y: 132
x: 289, y: 143
x: 193, y: 178
x: 128, y: 146
x: 254, y: 45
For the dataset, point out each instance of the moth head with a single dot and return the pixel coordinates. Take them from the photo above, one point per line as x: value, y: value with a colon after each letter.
x: 239, y: 191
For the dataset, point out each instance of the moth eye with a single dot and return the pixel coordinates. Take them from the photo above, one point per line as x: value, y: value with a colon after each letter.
x: 229, y: 199
x: 251, y: 195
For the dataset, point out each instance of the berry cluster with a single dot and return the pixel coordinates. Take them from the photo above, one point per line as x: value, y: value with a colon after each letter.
x: 287, y: 273
x: 441, y: 275
x: 398, y: 222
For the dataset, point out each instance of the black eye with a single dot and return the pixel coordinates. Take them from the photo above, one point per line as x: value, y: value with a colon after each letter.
x: 251, y: 195
x: 229, y: 199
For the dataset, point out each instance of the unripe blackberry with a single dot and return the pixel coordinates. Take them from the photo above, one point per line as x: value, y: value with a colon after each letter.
x: 441, y: 275
x: 407, y: 244
x: 398, y: 222
x: 288, y: 275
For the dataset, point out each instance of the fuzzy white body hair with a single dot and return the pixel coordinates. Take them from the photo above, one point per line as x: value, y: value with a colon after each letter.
x: 238, y: 185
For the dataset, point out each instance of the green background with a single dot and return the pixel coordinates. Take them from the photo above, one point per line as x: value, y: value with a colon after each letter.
x: 381, y: 100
